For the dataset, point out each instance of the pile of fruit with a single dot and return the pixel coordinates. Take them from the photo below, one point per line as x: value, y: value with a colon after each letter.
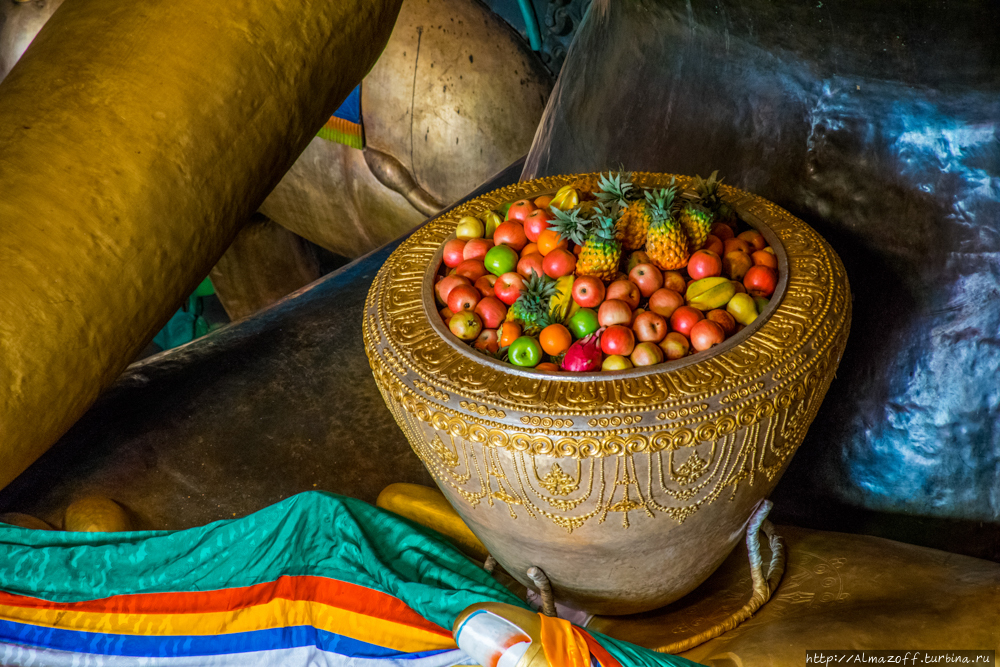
x: 604, y: 275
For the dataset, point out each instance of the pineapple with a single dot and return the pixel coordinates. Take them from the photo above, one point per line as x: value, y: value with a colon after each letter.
x: 696, y: 220
x: 531, y: 310
x: 666, y: 242
x: 708, y: 190
x: 602, y: 251
x: 633, y: 224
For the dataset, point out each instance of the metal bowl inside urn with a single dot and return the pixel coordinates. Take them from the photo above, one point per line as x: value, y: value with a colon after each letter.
x: 628, y: 489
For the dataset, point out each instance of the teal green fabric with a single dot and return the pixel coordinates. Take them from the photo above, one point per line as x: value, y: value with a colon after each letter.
x: 311, y: 534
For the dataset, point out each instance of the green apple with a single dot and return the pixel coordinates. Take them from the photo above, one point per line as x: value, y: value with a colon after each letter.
x: 583, y: 322
x: 761, y: 303
x: 501, y: 259
x: 525, y: 351
x: 469, y: 228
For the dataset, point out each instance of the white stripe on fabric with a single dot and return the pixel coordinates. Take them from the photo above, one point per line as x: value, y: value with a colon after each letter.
x: 18, y: 655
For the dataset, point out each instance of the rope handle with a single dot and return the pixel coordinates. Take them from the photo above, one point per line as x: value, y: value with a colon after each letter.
x: 763, y: 584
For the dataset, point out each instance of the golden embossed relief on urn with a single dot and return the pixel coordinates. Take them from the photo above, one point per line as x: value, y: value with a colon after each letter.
x: 627, y: 488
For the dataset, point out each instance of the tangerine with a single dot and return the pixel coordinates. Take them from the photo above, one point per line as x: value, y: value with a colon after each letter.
x: 509, y: 332
x: 543, y: 202
x: 555, y: 339
x: 549, y: 240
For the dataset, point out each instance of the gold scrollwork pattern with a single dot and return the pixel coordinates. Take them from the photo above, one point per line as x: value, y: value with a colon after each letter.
x: 654, y: 442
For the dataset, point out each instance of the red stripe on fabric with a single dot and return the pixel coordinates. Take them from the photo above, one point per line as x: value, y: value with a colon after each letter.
x: 599, y: 651
x: 343, y: 595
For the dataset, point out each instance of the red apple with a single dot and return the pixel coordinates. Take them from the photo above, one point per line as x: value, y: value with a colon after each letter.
x: 674, y: 346
x: 530, y: 264
x: 754, y: 238
x: 684, y: 318
x: 473, y: 269
x: 704, y: 264
x: 466, y: 325
x: 447, y: 284
x: 476, y: 248
x: 649, y: 326
x: 760, y: 281
x: 485, y: 284
x: 487, y: 340
x: 617, y: 339
x: 705, y: 334
x: 724, y: 320
x: 588, y: 291
x: 736, y: 263
x: 536, y: 222
x: 511, y: 234
x: 765, y: 258
x: 625, y: 290
x: 722, y: 231
x: 463, y: 297
x: 520, y: 210
x: 492, y: 311
x: 714, y: 244
x: 674, y: 280
x: 647, y: 277
x: 614, y: 311
x: 508, y: 287
x: 665, y: 301
x: 453, y: 253
x: 646, y: 354
x: 559, y: 263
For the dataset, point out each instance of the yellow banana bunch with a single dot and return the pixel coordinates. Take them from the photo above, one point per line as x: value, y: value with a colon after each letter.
x: 710, y: 293
x: 562, y: 302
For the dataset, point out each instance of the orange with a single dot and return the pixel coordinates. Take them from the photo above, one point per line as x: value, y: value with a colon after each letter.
x: 528, y: 249
x: 509, y: 332
x: 549, y: 240
x: 546, y: 366
x: 555, y: 339
x: 543, y: 202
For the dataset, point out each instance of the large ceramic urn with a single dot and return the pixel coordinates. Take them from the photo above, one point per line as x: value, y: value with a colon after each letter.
x: 627, y: 488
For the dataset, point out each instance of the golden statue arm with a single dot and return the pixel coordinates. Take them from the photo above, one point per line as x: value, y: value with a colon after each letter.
x: 136, y: 138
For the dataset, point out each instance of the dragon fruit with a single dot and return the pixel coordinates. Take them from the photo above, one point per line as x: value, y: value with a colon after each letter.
x: 585, y: 354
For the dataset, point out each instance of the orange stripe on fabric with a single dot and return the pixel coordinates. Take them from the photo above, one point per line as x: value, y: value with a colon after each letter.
x: 276, y: 613
x: 564, y: 645
x: 341, y: 125
x: 343, y: 595
x: 599, y: 652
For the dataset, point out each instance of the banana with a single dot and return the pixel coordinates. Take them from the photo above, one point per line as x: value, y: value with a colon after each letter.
x: 490, y: 223
x: 562, y: 301
x: 710, y: 293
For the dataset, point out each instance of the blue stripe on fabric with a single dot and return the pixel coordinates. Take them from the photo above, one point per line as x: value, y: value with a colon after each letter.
x: 351, y: 108
x: 192, y: 645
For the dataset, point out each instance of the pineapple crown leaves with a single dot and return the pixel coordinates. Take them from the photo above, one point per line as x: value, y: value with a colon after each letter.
x: 614, y: 188
x: 570, y: 225
x: 661, y: 202
x: 604, y: 228
x: 706, y: 191
x: 538, y: 289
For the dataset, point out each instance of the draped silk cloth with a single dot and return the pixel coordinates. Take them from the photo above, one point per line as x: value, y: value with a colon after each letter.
x: 317, y: 579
